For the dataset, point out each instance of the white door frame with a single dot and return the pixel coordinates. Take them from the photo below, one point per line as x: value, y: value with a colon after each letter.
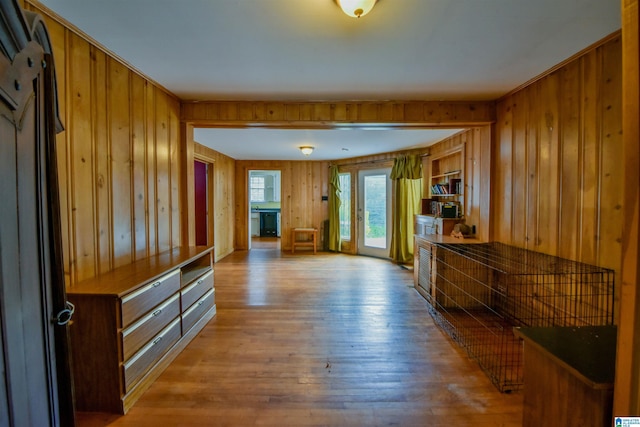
x: 363, y: 249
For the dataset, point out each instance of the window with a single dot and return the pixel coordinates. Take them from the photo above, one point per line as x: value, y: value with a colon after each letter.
x: 256, y: 184
x: 345, y: 206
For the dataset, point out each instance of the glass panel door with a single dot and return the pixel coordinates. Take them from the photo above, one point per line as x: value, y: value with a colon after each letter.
x: 374, y: 213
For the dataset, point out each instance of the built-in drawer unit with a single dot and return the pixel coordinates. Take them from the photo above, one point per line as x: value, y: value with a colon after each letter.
x: 194, y: 313
x: 192, y: 292
x: 141, y: 362
x: 138, y: 334
x: 130, y: 324
x: 194, y: 270
x: 144, y: 299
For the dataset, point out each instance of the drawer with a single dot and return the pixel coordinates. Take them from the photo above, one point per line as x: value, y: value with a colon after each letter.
x: 197, y: 310
x: 195, y: 290
x: 139, y: 302
x: 144, y: 359
x: 139, y: 333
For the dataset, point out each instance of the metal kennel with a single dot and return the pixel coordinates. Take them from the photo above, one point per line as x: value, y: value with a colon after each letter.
x: 479, y: 292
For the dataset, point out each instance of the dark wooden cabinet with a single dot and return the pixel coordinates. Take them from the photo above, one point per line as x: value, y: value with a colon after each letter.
x: 569, y: 374
x: 35, y: 380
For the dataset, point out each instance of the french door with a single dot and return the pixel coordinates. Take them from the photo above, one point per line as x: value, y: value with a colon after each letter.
x: 374, y: 212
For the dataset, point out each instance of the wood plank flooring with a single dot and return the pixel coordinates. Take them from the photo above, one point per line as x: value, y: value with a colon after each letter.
x: 265, y: 242
x: 318, y: 340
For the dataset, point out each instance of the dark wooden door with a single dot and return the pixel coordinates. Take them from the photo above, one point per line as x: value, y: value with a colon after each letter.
x: 201, y: 202
x: 35, y: 385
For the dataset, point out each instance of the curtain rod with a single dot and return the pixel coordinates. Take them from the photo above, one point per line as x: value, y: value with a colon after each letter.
x: 391, y: 159
x: 363, y: 162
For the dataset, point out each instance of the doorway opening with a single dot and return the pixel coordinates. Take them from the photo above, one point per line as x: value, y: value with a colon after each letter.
x: 374, y: 212
x: 264, y: 209
x: 203, y: 185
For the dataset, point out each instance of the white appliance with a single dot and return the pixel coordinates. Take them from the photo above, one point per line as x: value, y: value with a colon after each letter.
x: 278, y: 232
x: 255, y: 223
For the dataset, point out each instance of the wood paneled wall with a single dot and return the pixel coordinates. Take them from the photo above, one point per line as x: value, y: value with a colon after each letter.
x: 118, y: 158
x: 477, y: 175
x: 224, y: 196
x: 627, y: 385
x: 558, y: 175
x: 303, y: 183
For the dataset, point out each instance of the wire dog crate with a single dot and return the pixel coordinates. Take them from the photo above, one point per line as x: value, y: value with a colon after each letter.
x: 482, y: 291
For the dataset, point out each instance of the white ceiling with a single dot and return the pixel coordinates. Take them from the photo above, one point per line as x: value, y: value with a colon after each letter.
x: 329, y: 144
x: 310, y: 50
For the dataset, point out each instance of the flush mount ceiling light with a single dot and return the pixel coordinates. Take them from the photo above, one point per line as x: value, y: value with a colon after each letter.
x: 356, y: 8
x: 306, y: 150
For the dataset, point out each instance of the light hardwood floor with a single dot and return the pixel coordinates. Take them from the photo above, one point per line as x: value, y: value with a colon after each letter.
x: 265, y: 242
x: 324, y: 340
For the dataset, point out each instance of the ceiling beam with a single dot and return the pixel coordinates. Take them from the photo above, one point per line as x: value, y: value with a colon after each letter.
x: 341, y: 114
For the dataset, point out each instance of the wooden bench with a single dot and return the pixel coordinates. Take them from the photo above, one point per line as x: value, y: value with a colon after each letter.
x: 310, y: 240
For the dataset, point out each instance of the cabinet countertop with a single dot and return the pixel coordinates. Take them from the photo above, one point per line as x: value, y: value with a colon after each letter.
x: 118, y: 282
x: 440, y: 238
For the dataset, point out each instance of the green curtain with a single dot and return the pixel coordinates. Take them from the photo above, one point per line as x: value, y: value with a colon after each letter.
x: 334, y: 209
x: 407, y: 177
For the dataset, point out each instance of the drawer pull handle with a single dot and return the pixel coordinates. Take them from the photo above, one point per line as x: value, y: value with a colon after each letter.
x: 155, y: 285
x: 157, y: 340
x: 200, y: 302
x: 157, y: 312
x: 200, y: 281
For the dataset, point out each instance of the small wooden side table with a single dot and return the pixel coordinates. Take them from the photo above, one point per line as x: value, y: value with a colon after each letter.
x: 312, y: 237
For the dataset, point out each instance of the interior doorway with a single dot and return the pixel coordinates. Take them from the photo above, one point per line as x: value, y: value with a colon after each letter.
x: 264, y: 209
x: 374, y: 212
x: 203, y: 185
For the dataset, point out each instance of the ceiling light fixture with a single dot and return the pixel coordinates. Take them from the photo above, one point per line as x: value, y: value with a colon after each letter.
x: 306, y: 150
x: 356, y: 8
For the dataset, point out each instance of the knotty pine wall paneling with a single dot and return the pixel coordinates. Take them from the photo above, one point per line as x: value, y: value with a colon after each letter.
x: 627, y: 384
x: 175, y: 143
x: 119, y: 175
x: 139, y: 158
x: 558, y: 176
x: 83, y: 255
x: 119, y: 166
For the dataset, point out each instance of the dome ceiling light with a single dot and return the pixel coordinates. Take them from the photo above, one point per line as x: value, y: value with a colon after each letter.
x: 356, y: 8
x: 306, y: 150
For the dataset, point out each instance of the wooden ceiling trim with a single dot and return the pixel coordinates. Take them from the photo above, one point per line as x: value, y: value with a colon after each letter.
x: 324, y: 114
